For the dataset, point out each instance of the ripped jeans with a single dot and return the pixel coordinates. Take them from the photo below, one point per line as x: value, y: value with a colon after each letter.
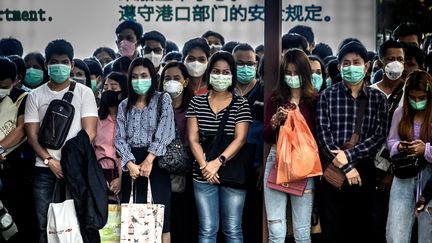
x: 276, y: 203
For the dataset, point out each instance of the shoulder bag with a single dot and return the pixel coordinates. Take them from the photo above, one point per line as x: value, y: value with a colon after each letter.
x: 332, y: 174
x: 57, y: 121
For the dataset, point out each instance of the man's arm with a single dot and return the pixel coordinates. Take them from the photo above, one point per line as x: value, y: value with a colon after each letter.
x: 89, y: 124
x: 15, y: 136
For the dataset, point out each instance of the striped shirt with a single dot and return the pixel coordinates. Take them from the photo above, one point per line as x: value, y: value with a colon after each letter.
x: 336, y: 116
x: 138, y: 127
x: 208, y: 121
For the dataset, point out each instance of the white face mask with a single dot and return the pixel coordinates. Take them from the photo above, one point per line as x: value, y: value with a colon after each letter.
x: 80, y: 80
x: 173, y: 87
x: 154, y: 58
x: 196, y: 69
x: 4, y: 92
x: 394, y: 70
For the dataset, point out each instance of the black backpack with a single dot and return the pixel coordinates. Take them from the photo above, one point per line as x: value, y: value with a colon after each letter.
x: 57, y: 121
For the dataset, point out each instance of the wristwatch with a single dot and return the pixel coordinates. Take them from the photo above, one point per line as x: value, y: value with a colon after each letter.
x: 47, y: 160
x: 2, y: 150
x: 222, y: 159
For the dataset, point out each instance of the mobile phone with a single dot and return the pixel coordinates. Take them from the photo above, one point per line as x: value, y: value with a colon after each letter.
x: 405, y: 143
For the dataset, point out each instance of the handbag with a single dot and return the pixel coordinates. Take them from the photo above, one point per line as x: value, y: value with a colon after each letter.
x: 235, y: 173
x: 110, y: 233
x: 404, y: 166
x: 176, y: 159
x: 110, y: 174
x: 8, y: 118
x: 295, y: 188
x: 333, y: 175
x: 57, y: 121
x: 141, y: 223
x: 62, y: 225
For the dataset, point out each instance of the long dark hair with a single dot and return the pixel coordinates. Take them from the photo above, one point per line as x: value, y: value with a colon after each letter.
x: 121, y: 79
x: 132, y: 96
x: 300, y: 60
x: 416, y: 80
x: 187, y: 91
x: 323, y: 71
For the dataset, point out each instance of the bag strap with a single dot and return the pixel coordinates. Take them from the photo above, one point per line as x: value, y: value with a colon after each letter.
x: 355, y: 137
x: 132, y: 198
x: 224, y: 119
x: 69, y: 94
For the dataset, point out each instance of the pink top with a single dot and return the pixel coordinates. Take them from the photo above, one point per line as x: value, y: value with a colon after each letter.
x: 393, y: 139
x: 104, y: 141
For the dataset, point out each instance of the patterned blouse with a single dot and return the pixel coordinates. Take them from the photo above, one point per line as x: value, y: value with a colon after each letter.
x: 140, y: 128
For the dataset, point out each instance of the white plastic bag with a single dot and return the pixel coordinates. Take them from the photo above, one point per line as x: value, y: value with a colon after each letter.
x: 63, y: 224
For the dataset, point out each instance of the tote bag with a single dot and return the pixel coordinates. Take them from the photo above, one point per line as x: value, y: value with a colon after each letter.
x: 110, y: 233
x: 141, y: 223
x: 297, y: 151
x: 62, y: 226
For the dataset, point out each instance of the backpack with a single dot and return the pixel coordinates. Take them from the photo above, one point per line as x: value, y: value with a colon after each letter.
x: 57, y: 121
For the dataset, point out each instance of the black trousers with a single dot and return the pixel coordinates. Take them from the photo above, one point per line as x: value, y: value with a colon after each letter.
x: 346, y: 215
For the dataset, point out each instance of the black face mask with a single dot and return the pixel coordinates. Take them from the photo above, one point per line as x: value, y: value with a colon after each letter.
x: 111, y: 98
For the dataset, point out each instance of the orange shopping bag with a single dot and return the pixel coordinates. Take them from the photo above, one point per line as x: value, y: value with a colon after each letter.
x: 296, y: 150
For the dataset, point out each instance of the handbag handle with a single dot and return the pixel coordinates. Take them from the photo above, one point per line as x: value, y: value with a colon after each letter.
x: 132, y: 198
x: 224, y: 120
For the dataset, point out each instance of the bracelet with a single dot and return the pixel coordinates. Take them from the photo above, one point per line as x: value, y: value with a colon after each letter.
x: 347, y: 168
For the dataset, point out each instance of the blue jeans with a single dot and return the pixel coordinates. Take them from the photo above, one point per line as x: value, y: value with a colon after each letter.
x: 212, y: 200
x: 276, y: 203
x: 401, y: 211
x: 44, y: 183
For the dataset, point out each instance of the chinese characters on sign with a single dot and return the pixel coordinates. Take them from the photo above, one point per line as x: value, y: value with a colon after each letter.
x: 214, y: 13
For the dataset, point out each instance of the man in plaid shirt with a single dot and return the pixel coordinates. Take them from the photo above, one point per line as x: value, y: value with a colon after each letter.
x: 346, y: 214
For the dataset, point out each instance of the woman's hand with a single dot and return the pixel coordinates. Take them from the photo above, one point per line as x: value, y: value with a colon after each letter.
x: 134, y: 170
x: 115, y: 186
x: 146, y: 167
x: 210, y: 171
x: 353, y: 177
x: 281, y: 113
x: 417, y: 148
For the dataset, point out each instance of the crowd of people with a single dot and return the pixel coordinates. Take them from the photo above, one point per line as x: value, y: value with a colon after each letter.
x: 367, y: 112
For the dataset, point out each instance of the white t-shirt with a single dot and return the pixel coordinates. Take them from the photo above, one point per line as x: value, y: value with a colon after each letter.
x: 37, y: 103
x: 375, y: 86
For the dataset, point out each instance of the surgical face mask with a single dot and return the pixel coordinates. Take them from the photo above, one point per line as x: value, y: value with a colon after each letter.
x: 353, y: 74
x: 293, y: 81
x: 245, y: 74
x: 317, y: 81
x: 173, y: 87
x: 328, y: 82
x: 81, y: 80
x: 418, y: 106
x: 220, y: 82
x: 111, y: 98
x: 394, y: 70
x: 141, y: 85
x: 215, y: 48
x: 196, y: 69
x: 93, y: 84
x: 33, y: 77
x: 154, y: 58
x: 5, y: 92
x: 127, y: 48
x: 59, y: 73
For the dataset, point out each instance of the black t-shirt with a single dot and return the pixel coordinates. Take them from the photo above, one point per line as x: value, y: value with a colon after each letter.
x: 255, y: 98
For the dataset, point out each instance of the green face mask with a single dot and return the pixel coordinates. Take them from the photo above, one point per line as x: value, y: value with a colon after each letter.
x: 317, y: 81
x: 328, y: 82
x: 353, y: 74
x: 33, y: 77
x: 220, y: 82
x: 59, y: 73
x: 293, y: 81
x: 93, y: 83
x: 418, y: 106
x: 141, y: 85
x: 245, y: 74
